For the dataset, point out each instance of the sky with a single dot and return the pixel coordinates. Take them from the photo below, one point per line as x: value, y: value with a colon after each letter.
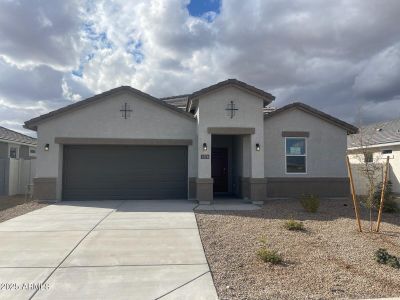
x: 342, y: 56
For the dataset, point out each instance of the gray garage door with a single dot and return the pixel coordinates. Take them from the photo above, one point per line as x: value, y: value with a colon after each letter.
x: 124, y: 172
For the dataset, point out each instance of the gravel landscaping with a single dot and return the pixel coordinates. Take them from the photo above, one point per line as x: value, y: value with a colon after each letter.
x: 328, y: 260
x: 14, y: 206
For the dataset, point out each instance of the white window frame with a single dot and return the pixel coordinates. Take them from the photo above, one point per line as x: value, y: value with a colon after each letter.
x: 365, y: 157
x: 9, y: 151
x: 386, y: 155
x: 391, y: 151
x: 32, y: 154
x: 304, y: 155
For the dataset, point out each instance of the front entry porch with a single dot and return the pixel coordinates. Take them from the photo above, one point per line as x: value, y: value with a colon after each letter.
x: 226, y: 165
x: 230, y: 160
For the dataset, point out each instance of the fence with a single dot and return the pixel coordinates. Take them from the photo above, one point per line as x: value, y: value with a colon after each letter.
x: 3, y: 177
x: 16, y: 175
x: 361, y: 181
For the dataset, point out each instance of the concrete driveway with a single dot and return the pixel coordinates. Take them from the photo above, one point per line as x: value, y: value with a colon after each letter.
x: 105, y: 250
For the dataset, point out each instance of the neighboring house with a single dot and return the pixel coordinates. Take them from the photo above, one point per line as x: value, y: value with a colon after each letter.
x: 126, y: 144
x: 16, y: 152
x: 382, y: 140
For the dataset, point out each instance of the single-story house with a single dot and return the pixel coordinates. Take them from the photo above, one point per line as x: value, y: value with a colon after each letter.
x: 16, y: 151
x: 374, y: 143
x: 126, y: 144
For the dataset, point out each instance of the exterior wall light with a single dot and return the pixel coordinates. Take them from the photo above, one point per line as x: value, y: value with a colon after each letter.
x: 46, y: 147
x: 204, y: 146
x: 257, y: 147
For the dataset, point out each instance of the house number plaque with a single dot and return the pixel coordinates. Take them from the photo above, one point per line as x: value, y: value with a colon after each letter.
x: 205, y: 156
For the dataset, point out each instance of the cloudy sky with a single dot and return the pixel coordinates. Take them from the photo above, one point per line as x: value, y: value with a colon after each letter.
x: 342, y: 57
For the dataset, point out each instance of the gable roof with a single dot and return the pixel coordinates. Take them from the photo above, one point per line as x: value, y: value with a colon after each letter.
x: 268, y: 98
x: 13, y: 136
x: 380, y: 133
x: 315, y: 112
x: 32, y: 123
x: 179, y: 101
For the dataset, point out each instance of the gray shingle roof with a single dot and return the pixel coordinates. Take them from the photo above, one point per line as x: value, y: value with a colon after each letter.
x: 176, y: 103
x: 376, y: 134
x: 32, y: 123
x: 179, y: 101
x: 13, y: 136
x: 267, y: 96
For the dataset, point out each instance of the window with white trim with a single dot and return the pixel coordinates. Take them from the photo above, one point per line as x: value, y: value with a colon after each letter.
x: 296, y: 155
x: 368, y: 157
x: 13, y: 152
x: 387, y: 151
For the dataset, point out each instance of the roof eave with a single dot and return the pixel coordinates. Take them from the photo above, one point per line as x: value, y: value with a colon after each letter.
x: 381, y: 145
x: 350, y: 129
x: 267, y: 97
x: 32, y: 123
x: 30, y: 127
x: 18, y: 142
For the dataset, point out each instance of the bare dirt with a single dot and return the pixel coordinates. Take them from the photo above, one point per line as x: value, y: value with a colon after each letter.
x: 329, y: 260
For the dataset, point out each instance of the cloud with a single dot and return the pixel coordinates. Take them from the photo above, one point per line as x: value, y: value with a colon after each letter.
x: 40, y: 82
x: 379, y: 79
x: 342, y: 56
x: 34, y: 32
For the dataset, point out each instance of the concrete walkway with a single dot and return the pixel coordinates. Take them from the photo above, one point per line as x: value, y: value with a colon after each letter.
x: 105, y: 250
x: 228, y: 205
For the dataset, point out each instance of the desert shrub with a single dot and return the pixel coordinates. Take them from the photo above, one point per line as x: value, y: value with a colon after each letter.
x: 394, y: 262
x: 383, y: 257
x: 293, y: 225
x: 270, y: 256
x: 310, y: 202
x: 389, y: 206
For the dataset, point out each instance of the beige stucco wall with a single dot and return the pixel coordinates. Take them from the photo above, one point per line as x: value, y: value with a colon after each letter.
x: 212, y: 113
x: 394, y: 171
x: 326, y: 145
x: 103, y: 120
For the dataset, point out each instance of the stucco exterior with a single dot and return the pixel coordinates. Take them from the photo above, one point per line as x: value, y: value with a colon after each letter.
x: 253, y: 172
x: 212, y: 113
x: 326, y: 145
x: 103, y: 120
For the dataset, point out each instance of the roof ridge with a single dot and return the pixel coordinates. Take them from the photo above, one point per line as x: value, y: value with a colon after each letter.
x: 236, y: 82
x: 172, y: 97
x: 350, y: 128
x: 30, y: 124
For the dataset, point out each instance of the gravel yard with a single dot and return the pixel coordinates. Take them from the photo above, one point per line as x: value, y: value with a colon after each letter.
x: 14, y: 206
x: 329, y: 260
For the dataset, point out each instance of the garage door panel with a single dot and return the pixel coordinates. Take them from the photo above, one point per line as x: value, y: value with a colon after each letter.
x: 121, y: 195
x: 96, y: 180
x: 124, y: 172
x: 170, y: 185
